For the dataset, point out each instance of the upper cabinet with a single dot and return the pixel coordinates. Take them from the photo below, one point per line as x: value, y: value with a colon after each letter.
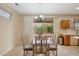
x: 65, y: 24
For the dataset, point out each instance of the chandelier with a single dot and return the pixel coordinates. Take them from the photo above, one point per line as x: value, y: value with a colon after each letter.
x: 40, y: 17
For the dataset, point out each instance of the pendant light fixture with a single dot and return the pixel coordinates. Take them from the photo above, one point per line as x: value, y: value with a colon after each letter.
x: 40, y: 17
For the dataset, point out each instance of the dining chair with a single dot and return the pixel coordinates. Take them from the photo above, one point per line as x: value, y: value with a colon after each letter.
x: 26, y: 47
x: 53, y: 48
x: 45, y: 46
x: 41, y: 46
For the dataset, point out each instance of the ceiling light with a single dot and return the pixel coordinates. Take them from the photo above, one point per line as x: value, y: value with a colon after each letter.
x: 41, y: 16
x: 77, y: 8
x: 36, y: 17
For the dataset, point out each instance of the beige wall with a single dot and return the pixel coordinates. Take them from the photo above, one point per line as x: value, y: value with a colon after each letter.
x: 10, y: 30
x: 28, y: 27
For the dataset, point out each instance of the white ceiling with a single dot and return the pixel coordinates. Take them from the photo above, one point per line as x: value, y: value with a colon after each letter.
x: 46, y: 8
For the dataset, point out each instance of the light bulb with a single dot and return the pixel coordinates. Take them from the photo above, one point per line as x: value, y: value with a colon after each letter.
x: 77, y: 8
x: 36, y: 17
x: 41, y: 16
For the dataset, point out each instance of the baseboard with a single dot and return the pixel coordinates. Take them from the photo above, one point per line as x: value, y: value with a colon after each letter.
x: 6, y: 52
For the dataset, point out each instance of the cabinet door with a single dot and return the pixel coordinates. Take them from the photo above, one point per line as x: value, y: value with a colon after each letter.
x: 65, y: 24
x: 67, y: 40
x: 78, y: 41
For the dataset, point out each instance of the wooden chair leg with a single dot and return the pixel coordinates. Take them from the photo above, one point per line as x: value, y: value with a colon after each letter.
x: 56, y: 53
x: 34, y: 53
x: 47, y: 53
x: 24, y: 53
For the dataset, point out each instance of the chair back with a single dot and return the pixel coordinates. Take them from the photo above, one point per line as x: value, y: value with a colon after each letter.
x: 23, y: 42
x: 41, y: 45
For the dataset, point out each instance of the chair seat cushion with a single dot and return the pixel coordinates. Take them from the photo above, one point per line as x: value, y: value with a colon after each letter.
x: 52, y: 46
x: 27, y: 49
x: 28, y: 46
x: 53, y: 49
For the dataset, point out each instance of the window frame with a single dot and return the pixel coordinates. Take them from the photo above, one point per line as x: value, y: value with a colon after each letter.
x: 7, y: 13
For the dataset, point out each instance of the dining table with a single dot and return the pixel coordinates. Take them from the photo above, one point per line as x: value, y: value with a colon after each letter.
x: 41, y: 46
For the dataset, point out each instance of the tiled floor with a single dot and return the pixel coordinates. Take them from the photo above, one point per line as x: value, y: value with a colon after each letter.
x: 19, y: 52
x: 61, y: 51
x: 68, y: 50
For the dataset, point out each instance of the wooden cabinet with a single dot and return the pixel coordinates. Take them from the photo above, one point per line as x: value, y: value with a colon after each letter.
x: 65, y: 24
x: 66, y: 39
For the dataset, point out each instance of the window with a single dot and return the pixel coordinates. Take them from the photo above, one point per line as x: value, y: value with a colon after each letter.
x: 76, y: 23
x: 43, y: 29
x: 43, y: 26
x: 4, y: 14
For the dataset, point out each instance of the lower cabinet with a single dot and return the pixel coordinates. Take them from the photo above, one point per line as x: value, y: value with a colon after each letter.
x: 66, y: 39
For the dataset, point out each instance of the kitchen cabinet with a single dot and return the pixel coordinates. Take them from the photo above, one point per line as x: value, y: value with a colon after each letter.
x: 65, y: 24
x: 66, y: 39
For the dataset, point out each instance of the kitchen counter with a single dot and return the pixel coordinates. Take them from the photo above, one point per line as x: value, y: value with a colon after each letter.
x: 72, y: 34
